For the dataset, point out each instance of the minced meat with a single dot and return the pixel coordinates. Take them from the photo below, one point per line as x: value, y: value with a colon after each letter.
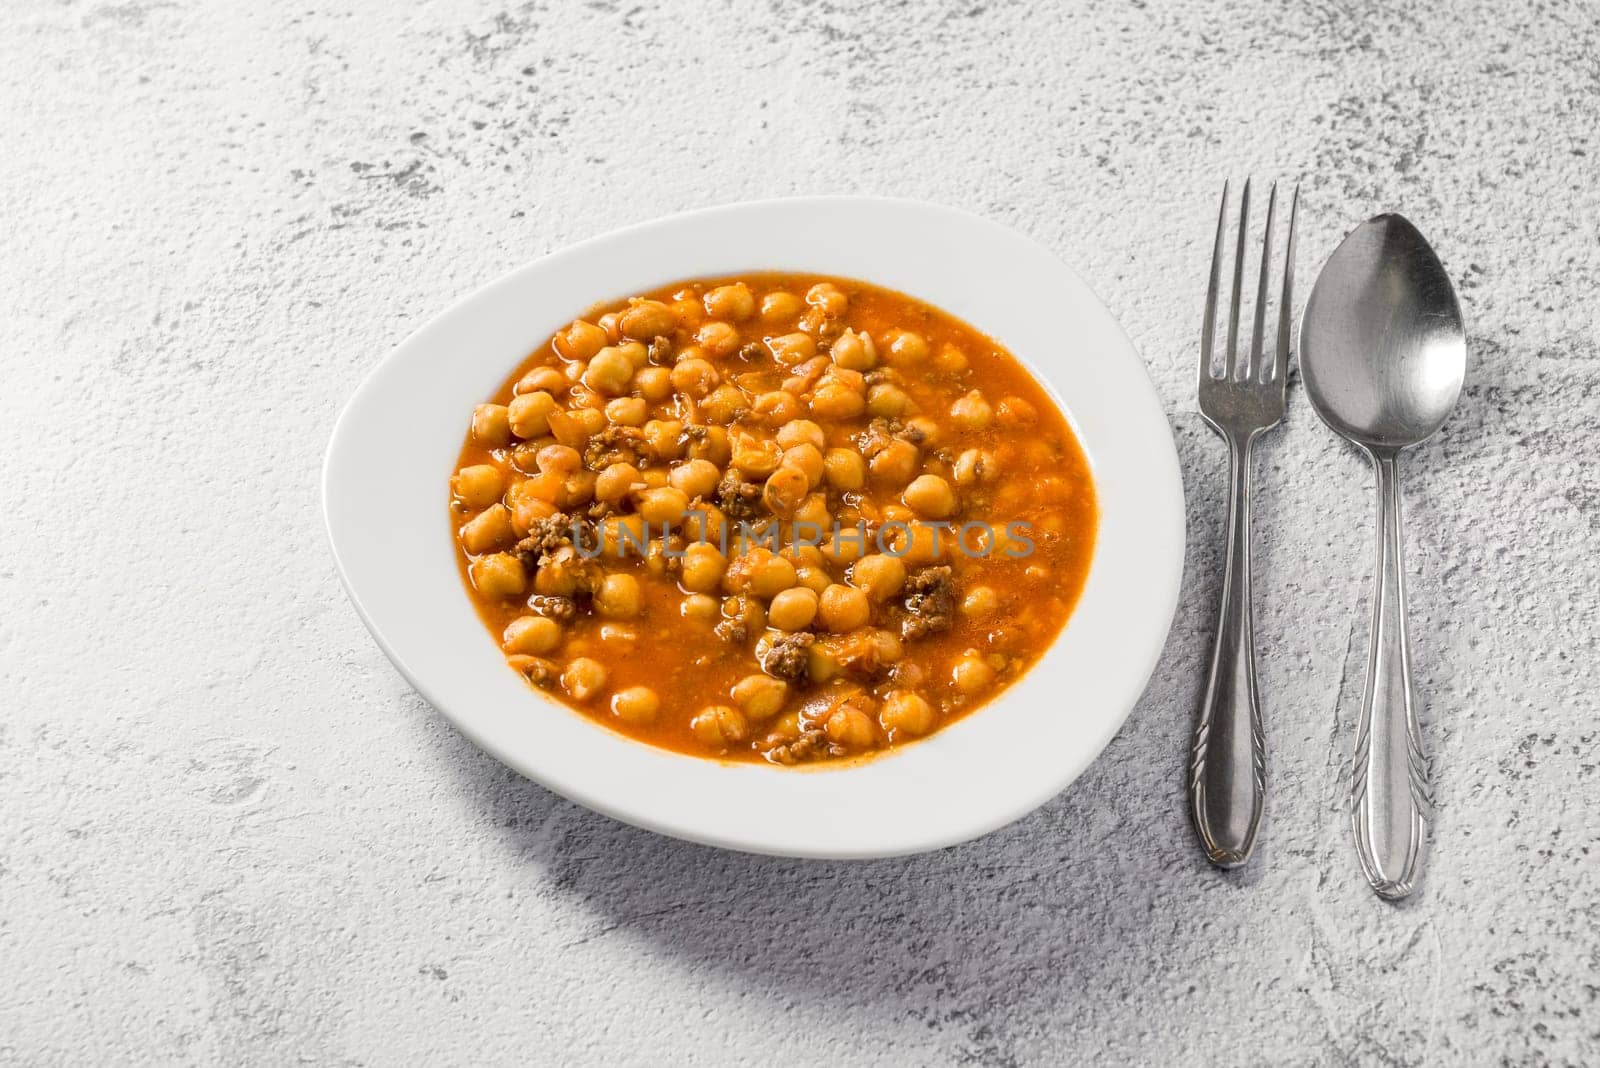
x: 788, y: 657
x: 930, y: 602
x: 551, y: 606
x: 738, y: 498
x: 545, y: 536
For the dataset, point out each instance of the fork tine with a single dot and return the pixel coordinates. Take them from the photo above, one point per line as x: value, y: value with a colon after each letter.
x: 1238, y: 281
x: 1280, y: 360
x: 1252, y: 367
x: 1208, y: 329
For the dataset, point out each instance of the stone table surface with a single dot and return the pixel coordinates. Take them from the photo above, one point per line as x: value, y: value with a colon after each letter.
x: 231, y: 833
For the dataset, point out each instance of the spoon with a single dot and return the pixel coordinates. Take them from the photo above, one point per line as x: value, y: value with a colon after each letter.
x: 1383, y: 353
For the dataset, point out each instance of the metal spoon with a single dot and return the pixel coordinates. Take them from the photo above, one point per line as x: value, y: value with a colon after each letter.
x: 1383, y: 353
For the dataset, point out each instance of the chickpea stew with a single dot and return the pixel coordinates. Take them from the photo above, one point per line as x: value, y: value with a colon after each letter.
x: 778, y: 517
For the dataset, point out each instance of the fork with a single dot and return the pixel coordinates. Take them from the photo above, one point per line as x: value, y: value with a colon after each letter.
x: 1241, y: 396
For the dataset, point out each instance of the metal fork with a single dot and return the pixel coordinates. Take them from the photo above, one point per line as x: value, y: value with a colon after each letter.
x: 1240, y: 396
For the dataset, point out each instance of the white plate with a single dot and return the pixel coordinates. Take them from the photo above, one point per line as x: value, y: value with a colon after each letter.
x: 385, y: 496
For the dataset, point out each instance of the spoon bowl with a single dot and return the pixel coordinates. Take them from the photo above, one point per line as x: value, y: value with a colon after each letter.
x: 1382, y: 348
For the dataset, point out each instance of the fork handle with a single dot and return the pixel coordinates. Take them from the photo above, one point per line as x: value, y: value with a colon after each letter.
x: 1227, y: 766
x: 1389, y: 793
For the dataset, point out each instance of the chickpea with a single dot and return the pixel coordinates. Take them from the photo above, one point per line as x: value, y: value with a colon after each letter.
x: 498, y: 576
x: 847, y: 547
x: 906, y: 714
x: 804, y: 555
x: 759, y: 696
x: 762, y: 572
x: 801, y: 432
x: 527, y: 511
x: 490, y: 529
x: 895, y: 463
x: 583, y: 678
x: 719, y: 726
x: 980, y: 601
x: 695, y: 478
x: 747, y: 610
x: 491, y: 426
x: 850, y: 726
x: 548, y: 379
x: 974, y: 466
x: 646, y: 320
x: 536, y: 669
x: 1016, y: 412
x: 559, y: 461
x: 621, y: 536
x: 550, y: 488
x: 755, y: 457
x: 785, y: 489
x: 609, y: 372
x: 734, y: 303
x: 700, y: 608
x: 843, y: 608
x: 834, y: 400
x: 926, y: 428
x: 686, y: 306
x: 663, y: 438
x: 807, y: 459
x: 653, y: 383
x: 531, y: 634
x: 880, y: 575
x: 930, y: 496
x: 853, y: 351
x: 580, y: 340
x: 636, y: 705
x: 724, y: 404
x: 922, y: 543
x: 695, y: 377
x: 576, y: 426
x: 529, y: 414
x: 775, y: 408
x: 827, y: 297
x: 814, y: 579
x: 627, y: 411
x: 711, y: 443
x: 615, y: 482
x: 972, y: 412
x: 887, y: 643
x: 618, y: 596
x: 814, y: 510
x: 793, y: 609
x: 703, y: 523
x: 971, y: 675
x: 780, y: 306
x: 718, y: 339
x: 791, y: 349
x: 950, y: 360
x: 886, y: 400
x: 906, y: 348
x: 702, y: 568
x: 664, y: 505
x: 844, y: 469
x: 479, y: 485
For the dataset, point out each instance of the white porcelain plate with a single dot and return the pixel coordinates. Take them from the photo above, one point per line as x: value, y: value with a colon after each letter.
x: 385, y: 495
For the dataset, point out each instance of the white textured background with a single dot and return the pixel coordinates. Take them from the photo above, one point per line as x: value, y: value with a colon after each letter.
x: 229, y: 832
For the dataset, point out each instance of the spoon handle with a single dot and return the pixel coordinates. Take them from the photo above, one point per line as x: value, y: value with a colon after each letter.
x: 1389, y: 802
x: 1227, y: 766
